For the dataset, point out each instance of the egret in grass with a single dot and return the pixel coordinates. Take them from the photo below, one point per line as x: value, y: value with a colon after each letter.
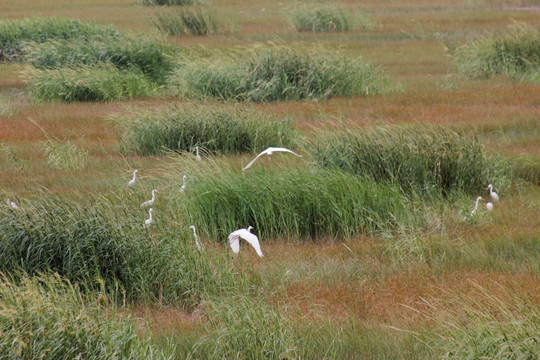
x: 197, y: 156
x: 489, y: 206
x: 132, y: 181
x: 476, y: 204
x: 150, y: 220
x: 183, y: 187
x: 151, y: 201
x: 252, y: 239
x: 493, y: 194
x: 12, y: 204
x: 269, y: 152
x: 200, y: 246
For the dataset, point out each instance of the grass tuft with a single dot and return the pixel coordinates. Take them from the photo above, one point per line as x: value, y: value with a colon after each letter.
x: 65, y: 156
x: 225, y: 130
x: 324, y: 18
x: 167, y: 2
x: 181, y: 22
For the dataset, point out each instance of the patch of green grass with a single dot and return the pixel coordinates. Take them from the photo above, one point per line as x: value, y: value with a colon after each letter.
x: 101, y: 82
x: 65, y: 155
x: 420, y: 158
x: 278, y: 73
x: 13, y: 33
x: 217, y: 129
x: 514, y: 52
x: 48, y: 318
x: 152, y: 57
x: 180, y: 22
x: 325, y: 18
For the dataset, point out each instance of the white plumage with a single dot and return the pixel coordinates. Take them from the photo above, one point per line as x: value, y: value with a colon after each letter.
x: 476, y: 204
x: 12, y: 204
x: 183, y: 187
x: 493, y: 194
x: 151, y: 201
x: 489, y: 206
x: 197, y: 156
x: 150, y: 220
x: 132, y: 181
x: 200, y: 246
x: 269, y: 152
x: 252, y: 239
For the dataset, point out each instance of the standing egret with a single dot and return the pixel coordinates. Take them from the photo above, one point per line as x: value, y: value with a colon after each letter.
x: 269, y: 152
x: 150, y: 220
x: 132, y: 181
x: 476, y: 205
x: 197, y: 156
x: 493, y: 194
x: 200, y: 247
x: 151, y: 201
x: 13, y: 204
x: 489, y: 206
x: 252, y: 239
x: 183, y: 187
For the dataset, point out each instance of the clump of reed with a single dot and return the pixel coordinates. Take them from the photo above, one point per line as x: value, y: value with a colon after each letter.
x: 150, y: 56
x: 322, y: 19
x: 417, y: 158
x: 102, y: 246
x: 181, y: 22
x: 514, y: 52
x: 13, y: 33
x: 291, y: 203
x: 278, y: 73
x: 100, y: 82
x: 48, y: 318
x: 65, y: 156
x: 167, y: 2
x: 217, y: 129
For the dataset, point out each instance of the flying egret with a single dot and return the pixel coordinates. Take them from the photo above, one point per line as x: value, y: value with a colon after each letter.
x: 269, y: 152
x: 151, y: 201
x: 197, y: 157
x: 200, y: 247
x: 476, y: 205
x: 489, y: 206
x: 132, y: 181
x: 183, y: 187
x: 13, y: 204
x: 252, y: 239
x: 150, y: 220
x: 493, y: 194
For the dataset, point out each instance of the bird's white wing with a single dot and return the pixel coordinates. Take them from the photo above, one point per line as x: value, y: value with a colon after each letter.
x: 286, y: 150
x: 234, y: 243
x: 252, y: 161
x: 253, y: 240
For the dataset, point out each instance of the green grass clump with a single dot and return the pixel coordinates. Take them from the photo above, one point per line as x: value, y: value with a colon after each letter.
x: 294, y: 203
x: 48, y: 318
x: 322, y: 18
x: 418, y: 158
x: 39, y: 29
x: 515, y: 52
x: 100, y: 244
x: 224, y: 130
x: 102, y: 82
x: 153, y: 58
x: 65, y: 155
x: 278, y: 73
x: 180, y: 22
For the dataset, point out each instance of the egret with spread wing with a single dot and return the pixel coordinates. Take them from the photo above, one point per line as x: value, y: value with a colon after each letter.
x: 269, y: 152
x: 252, y: 239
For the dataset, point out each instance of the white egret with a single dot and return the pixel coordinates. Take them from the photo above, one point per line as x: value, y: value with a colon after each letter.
x: 489, y: 206
x: 493, y: 194
x: 13, y: 204
x: 200, y: 246
x: 476, y: 204
x: 151, y: 201
x: 132, y: 181
x: 269, y: 152
x: 183, y: 187
x: 150, y: 220
x: 197, y: 156
x: 252, y: 239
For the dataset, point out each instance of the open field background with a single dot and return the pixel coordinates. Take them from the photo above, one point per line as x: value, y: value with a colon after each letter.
x: 359, y: 262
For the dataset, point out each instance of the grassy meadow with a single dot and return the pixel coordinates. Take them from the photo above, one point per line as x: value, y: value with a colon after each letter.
x: 403, y: 113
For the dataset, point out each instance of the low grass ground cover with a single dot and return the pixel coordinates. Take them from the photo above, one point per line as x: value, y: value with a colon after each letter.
x: 13, y: 33
x: 418, y: 158
x: 215, y: 128
x: 278, y: 73
x: 101, y: 82
x: 514, y: 52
